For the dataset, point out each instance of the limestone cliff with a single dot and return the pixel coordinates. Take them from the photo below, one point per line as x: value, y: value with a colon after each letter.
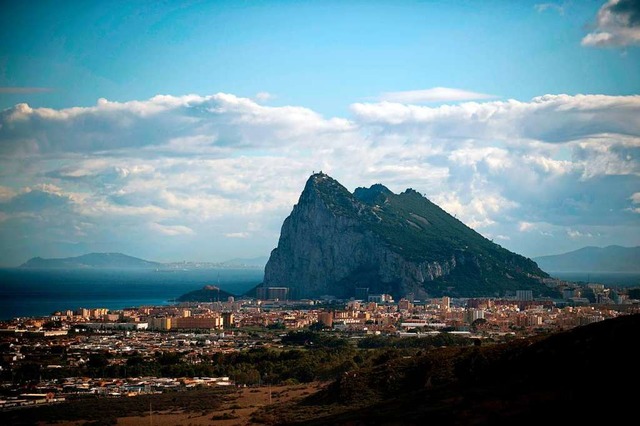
x: 334, y: 242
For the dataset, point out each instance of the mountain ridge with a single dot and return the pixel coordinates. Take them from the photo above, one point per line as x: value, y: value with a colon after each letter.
x: 90, y: 260
x: 613, y: 258
x: 253, y: 262
x: 335, y: 241
x: 119, y: 260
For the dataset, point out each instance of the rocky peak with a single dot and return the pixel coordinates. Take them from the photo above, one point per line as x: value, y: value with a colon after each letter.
x: 375, y: 194
x: 335, y: 241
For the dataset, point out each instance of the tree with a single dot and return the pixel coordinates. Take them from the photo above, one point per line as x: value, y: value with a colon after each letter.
x: 276, y: 326
x: 27, y: 372
x: 478, y: 324
x: 135, y: 360
x: 98, y: 360
x: 97, y: 363
x: 318, y: 326
x: 168, y: 358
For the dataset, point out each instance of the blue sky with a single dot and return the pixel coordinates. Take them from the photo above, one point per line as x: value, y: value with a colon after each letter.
x: 185, y: 130
x: 323, y: 55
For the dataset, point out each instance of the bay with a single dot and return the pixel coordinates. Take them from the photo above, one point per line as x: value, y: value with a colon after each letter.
x: 25, y: 292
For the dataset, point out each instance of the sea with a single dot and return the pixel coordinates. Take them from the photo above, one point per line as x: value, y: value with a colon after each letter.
x: 32, y: 292
x: 27, y: 292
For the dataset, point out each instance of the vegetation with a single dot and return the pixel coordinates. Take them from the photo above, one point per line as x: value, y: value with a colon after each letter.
x: 435, y: 341
x: 307, y: 356
x: 105, y: 411
x: 525, y: 381
x: 420, y: 231
x: 441, y: 379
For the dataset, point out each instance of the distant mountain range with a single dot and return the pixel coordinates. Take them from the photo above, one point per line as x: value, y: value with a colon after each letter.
x: 593, y: 259
x: 91, y: 260
x: 122, y: 261
x: 254, y: 262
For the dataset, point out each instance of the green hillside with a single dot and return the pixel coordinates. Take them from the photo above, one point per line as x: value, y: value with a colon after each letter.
x: 414, y: 227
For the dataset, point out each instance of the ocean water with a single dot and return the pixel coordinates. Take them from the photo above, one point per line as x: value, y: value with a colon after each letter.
x: 25, y: 292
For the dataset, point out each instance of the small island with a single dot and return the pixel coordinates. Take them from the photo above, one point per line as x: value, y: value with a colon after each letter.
x: 208, y: 293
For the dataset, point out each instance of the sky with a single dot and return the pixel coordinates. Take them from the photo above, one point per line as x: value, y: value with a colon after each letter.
x: 186, y: 130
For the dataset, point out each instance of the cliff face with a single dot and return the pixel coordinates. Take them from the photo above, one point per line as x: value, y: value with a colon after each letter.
x: 335, y: 241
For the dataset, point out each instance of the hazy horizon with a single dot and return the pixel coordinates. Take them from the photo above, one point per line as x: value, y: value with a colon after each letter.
x: 177, y: 261
x: 266, y: 257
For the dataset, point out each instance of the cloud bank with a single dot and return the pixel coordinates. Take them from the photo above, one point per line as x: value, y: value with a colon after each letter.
x: 213, y: 177
x: 617, y: 24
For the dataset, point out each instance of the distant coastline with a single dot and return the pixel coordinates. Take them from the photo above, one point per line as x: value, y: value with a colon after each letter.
x: 123, y: 261
x: 614, y: 279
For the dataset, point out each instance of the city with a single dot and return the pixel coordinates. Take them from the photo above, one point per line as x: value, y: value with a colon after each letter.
x: 100, y: 352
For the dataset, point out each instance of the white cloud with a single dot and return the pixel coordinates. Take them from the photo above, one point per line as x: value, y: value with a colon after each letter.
x: 478, y: 210
x: 635, y: 198
x: 263, y: 97
x: 572, y: 233
x: 598, y: 39
x: 175, y: 124
x: 6, y: 193
x: 606, y: 157
x: 435, y: 94
x: 543, y: 7
x: 36, y: 199
x: 154, y: 174
x: 46, y: 188
x: 549, y: 118
x: 171, y: 230
x: 237, y: 235
x: 549, y: 166
x: 100, y: 207
x: 525, y: 226
x: 495, y: 158
x: 617, y: 24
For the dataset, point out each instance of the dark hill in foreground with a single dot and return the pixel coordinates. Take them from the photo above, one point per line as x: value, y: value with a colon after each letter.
x: 335, y: 241
x: 588, y: 375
